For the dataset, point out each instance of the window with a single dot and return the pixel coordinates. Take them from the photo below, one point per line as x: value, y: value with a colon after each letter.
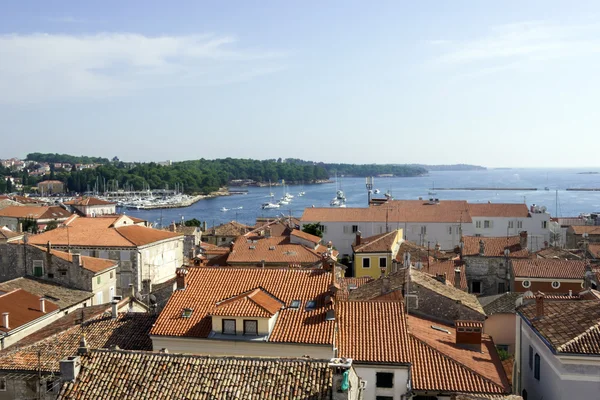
x: 478, y: 224
x: 384, y: 379
x: 50, y: 385
x: 501, y: 288
x: 519, y: 224
x: 111, y: 274
x: 544, y: 224
x: 251, y: 327
x: 63, y: 273
x: 382, y: 262
x: 384, y: 398
x: 526, y: 284
x: 295, y: 304
x: 366, y: 262
x: 424, y: 230
x: 229, y: 326
x: 2, y: 384
x: 530, y: 357
x: 487, y: 224
x: 311, y: 305
x: 555, y: 285
x: 50, y: 276
x: 475, y: 287
x: 186, y: 313
x: 450, y: 230
x: 354, y: 228
x: 98, y: 280
x: 536, y: 367
x: 511, y: 224
x: 38, y: 268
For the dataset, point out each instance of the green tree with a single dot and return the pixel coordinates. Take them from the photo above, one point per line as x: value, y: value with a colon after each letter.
x: 314, y: 229
x: 51, y: 225
x: 193, y: 222
x: 9, y: 186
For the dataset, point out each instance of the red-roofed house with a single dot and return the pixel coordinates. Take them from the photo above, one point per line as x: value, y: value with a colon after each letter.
x: 13, y: 217
x: 91, y: 206
x: 551, y: 276
x: 373, y: 256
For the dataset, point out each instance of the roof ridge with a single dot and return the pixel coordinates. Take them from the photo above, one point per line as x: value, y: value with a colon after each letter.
x: 579, y: 337
x: 452, y: 360
x: 381, y: 236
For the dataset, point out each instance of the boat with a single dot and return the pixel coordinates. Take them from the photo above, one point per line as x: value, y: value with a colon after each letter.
x: 432, y: 192
x: 546, y: 188
x: 267, y: 206
x: 388, y: 195
x: 302, y: 193
x: 376, y: 191
x: 223, y: 209
x: 284, y: 201
x: 340, y: 198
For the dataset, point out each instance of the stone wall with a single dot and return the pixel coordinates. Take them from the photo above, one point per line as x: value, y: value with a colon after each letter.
x: 490, y: 271
x: 26, y: 386
x: 435, y: 306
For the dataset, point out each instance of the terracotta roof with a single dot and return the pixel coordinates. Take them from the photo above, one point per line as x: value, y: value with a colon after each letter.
x: 254, y: 303
x: 206, y: 286
x: 92, y: 264
x: 568, y: 326
x: 88, y: 201
x: 594, y: 249
x: 34, y: 212
x: 63, y: 296
x: 99, y: 232
x: 439, y: 364
x: 116, y: 375
x: 589, y: 229
x: 556, y: 252
x: 232, y: 228
x: 448, y: 268
x: 23, y: 307
x: 421, y: 253
x: 276, y: 249
x: 373, y: 289
x: 446, y: 290
x: 393, y: 211
x: 306, y: 236
x: 548, y: 268
x: 372, y: 332
x: 494, y: 246
x: 278, y: 226
x: 505, y: 210
x: 376, y: 244
x: 504, y: 303
x: 129, y: 331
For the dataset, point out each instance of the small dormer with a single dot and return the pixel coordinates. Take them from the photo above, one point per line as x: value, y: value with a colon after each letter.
x: 250, y: 315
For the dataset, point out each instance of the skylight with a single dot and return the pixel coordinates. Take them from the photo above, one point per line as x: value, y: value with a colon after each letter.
x: 187, y: 312
x: 439, y: 328
x: 295, y: 304
x: 311, y: 305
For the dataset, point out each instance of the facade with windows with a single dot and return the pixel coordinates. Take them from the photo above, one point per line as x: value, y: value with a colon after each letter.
x: 373, y: 256
x: 548, y: 275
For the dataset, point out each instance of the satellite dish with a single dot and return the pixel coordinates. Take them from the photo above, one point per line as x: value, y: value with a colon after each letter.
x: 543, y: 209
x: 152, y: 299
x: 139, y: 297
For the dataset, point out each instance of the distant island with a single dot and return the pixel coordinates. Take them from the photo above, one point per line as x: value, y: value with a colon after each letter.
x: 588, y: 173
x: 451, y: 167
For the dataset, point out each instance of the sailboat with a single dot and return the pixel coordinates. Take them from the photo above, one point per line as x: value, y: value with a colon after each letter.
x: 340, y: 198
x: 546, y: 188
x: 432, y: 192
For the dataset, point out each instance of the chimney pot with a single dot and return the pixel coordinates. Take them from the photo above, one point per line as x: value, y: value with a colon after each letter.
x: 457, y: 277
x: 83, y: 349
x: 181, y: 281
x: 5, y: 322
x: 358, y: 238
x: 481, y: 247
x: 42, y: 305
x: 385, y: 285
x: 523, y: 239
x: 49, y: 246
x: 131, y: 291
x: 115, y: 310
x: 539, y: 305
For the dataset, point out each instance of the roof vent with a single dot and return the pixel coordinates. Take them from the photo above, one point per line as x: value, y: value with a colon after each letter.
x: 311, y: 305
x: 271, y: 247
x: 252, y: 247
x: 439, y: 328
x: 295, y: 304
x: 352, y: 286
x: 330, y: 316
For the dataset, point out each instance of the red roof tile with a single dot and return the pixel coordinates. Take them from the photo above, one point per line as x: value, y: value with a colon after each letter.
x: 255, y: 303
x: 277, y: 250
x: 506, y: 210
x: 23, y: 307
x: 88, y: 201
x: 549, y: 268
x: 306, y: 236
x: 376, y: 244
x: 494, y: 246
x: 447, y: 268
x: 589, y: 229
x: 35, y: 212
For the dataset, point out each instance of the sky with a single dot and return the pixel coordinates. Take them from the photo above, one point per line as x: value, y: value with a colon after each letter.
x: 499, y: 84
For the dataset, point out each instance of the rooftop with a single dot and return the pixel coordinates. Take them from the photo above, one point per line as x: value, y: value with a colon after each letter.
x: 62, y: 296
x: 571, y: 326
x: 306, y: 236
x: 383, y: 242
x: 549, y: 268
x: 589, y: 229
x: 447, y: 268
x: 231, y: 228
x: 7, y: 234
x: 206, y: 286
x: 23, y: 307
x: 129, y: 331
x: 255, y: 303
x: 395, y: 211
x: 494, y: 246
x: 505, y: 303
x: 35, y: 212
x: 92, y: 264
x: 133, y: 375
x: 277, y: 249
x: 506, y: 210
x: 88, y: 201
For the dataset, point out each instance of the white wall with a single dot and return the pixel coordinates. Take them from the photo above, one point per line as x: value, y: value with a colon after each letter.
x: 499, y: 227
x: 368, y: 373
x: 501, y: 327
x: 159, y: 261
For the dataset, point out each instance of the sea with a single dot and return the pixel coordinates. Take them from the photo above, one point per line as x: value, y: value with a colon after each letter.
x: 247, y: 207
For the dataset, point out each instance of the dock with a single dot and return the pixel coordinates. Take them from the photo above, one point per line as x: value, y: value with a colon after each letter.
x: 583, y: 189
x: 489, y: 188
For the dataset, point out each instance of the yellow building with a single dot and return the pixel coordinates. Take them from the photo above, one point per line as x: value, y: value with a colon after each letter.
x: 373, y: 255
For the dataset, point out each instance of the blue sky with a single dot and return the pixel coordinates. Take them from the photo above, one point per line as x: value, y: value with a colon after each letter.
x: 489, y: 83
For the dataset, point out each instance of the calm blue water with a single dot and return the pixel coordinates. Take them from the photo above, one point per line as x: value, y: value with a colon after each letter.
x: 569, y: 203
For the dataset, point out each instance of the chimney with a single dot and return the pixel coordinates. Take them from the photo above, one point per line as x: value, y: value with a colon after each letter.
x: 173, y: 227
x: 394, y: 265
x: 83, y: 347
x: 481, y: 247
x: 20, y: 227
x: 457, y: 277
x: 358, y: 237
x: 49, y: 247
x: 131, y: 291
x: 42, y: 305
x: 523, y: 239
x: 342, y: 375
x: 231, y: 246
x: 5, y: 323
x: 69, y: 368
x: 115, y: 309
x: 385, y: 285
x: 539, y: 305
x: 181, y: 273
x: 76, y: 258
x: 268, y: 232
x: 468, y: 334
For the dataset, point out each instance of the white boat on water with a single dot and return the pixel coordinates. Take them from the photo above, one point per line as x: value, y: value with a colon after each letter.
x: 223, y: 209
x: 267, y: 206
x: 376, y: 191
x: 284, y: 201
x: 302, y: 193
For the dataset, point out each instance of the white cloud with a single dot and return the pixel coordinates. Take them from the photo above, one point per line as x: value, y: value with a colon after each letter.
x: 42, y: 67
x: 506, y: 46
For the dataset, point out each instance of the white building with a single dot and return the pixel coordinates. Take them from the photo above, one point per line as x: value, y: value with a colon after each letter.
x: 92, y: 206
x: 428, y: 223
x: 558, y: 350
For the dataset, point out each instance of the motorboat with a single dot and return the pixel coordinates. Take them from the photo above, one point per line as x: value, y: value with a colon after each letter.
x: 377, y: 191
x: 268, y: 206
x: 302, y: 193
x: 223, y: 209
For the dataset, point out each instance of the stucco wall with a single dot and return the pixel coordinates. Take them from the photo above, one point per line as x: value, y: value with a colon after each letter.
x: 368, y: 373
x: 545, y: 286
x: 263, y: 324
x: 501, y: 327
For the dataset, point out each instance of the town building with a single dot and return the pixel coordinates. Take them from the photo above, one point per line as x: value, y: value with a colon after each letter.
x: 558, y: 349
x: 128, y: 374
x: 488, y: 261
x: 500, y: 323
x: 224, y: 234
x: 91, y: 206
x: 94, y: 275
x: 422, y: 222
x: 373, y: 255
x: 578, y: 235
x: 16, y: 218
x: 192, y: 237
x: 146, y: 256
x: 51, y: 186
x: 551, y: 276
x: 30, y: 369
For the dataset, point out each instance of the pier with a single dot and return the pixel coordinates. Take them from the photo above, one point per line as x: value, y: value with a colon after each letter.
x: 583, y: 189
x: 489, y: 188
